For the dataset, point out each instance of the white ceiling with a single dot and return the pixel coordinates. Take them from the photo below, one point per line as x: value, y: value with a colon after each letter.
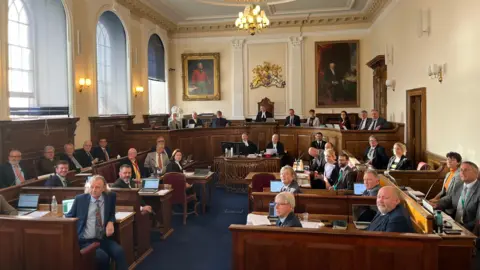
x: 190, y: 12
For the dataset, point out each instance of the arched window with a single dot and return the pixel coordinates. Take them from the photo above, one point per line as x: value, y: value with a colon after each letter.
x: 112, y: 75
x: 37, y: 58
x: 158, y: 94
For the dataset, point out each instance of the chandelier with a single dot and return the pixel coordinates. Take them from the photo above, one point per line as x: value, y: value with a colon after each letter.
x: 252, y: 19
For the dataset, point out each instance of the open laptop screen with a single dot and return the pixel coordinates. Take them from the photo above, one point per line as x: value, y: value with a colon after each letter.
x: 150, y: 183
x: 28, y: 201
x: 276, y: 186
x: 358, y: 188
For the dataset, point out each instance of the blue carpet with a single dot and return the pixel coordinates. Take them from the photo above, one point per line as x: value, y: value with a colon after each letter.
x: 205, y: 243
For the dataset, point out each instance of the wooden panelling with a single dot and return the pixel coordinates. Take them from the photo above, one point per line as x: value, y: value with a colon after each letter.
x: 155, y: 119
x: 104, y: 127
x: 20, y: 134
x: 435, y: 161
x: 334, y: 118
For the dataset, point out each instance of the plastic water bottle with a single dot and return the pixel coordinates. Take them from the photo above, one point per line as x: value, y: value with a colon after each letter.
x: 54, y: 205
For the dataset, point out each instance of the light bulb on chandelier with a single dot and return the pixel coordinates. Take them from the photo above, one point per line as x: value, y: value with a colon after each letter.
x: 252, y: 19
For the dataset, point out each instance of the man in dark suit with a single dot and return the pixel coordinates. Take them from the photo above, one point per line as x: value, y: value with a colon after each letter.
x: 262, y: 115
x: 364, y: 122
x: 284, y: 206
x: 318, y: 143
x: 465, y: 198
x: 318, y: 161
x: 292, y: 120
x: 391, y: 216
x: 84, y: 155
x: 161, y: 140
x: 275, y: 144
x: 46, y: 164
x: 377, y: 123
x: 375, y: 155
x: 96, y: 217
x: 372, y: 183
x: 102, y: 151
x: 125, y: 181
x: 60, y: 177
x: 333, y: 80
x: 69, y: 156
x: 248, y: 147
x: 220, y: 121
x: 12, y: 173
x: 346, y: 176
x: 138, y: 170
x: 195, y: 120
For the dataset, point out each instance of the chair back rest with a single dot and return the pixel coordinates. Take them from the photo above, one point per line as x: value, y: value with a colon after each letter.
x: 269, y: 106
x: 261, y: 180
x: 423, y: 166
x: 177, y: 181
x: 107, y: 170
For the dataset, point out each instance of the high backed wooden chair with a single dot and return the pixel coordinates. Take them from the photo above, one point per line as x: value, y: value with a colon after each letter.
x: 269, y: 106
x: 178, y: 180
x: 261, y: 180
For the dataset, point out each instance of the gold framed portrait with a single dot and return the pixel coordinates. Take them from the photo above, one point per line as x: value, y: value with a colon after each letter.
x: 201, y: 76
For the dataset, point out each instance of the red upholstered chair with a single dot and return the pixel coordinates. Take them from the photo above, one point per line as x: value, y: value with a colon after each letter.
x: 422, y: 166
x: 261, y: 180
x: 177, y: 181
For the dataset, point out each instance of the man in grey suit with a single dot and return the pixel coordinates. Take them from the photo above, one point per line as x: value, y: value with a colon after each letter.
x: 157, y: 161
x: 453, y: 176
x: 465, y: 198
x: 174, y: 123
x: 372, y: 183
x: 377, y: 122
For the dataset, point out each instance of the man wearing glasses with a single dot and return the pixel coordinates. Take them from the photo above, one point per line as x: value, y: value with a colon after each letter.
x: 161, y: 140
x: 12, y: 173
x: 284, y: 205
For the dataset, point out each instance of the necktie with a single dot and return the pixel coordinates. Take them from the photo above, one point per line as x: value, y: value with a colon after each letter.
x: 338, y: 180
x: 107, y: 158
x: 75, y: 162
x: 98, y: 221
x: 160, y: 161
x: 89, y: 155
x: 18, y: 174
x: 362, y: 124
x: 372, y: 126
x: 311, y: 121
x: 461, y: 205
x: 136, y: 169
x: 319, y: 145
x: 291, y: 120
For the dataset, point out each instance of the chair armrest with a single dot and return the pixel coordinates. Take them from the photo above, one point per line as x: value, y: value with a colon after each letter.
x: 87, y: 256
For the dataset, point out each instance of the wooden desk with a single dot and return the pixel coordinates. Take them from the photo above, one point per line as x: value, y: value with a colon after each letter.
x: 203, y: 181
x: 163, y: 211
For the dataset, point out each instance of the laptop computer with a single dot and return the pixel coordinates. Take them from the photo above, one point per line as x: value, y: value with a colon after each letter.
x: 363, y: 215
x: 201, y: 172
x: 149, y: 185
x: 359, y: 188
x: 276, y: 185
x: 27, y: 203
x: 67, y: 205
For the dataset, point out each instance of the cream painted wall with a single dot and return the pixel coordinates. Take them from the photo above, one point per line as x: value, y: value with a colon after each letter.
x: 454, y: 38
x: 257, y: 54
x: 222, y: 46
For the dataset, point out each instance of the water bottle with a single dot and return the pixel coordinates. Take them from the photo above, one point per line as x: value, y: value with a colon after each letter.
x: 54, y: 205
x: 439, y: 221
x: 226, y: 152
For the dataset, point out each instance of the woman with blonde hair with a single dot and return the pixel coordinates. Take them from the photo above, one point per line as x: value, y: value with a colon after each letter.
x: 399, y: 162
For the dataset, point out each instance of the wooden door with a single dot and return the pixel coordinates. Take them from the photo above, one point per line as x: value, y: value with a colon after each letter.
x: 416, y: 124
x: 379, y: 87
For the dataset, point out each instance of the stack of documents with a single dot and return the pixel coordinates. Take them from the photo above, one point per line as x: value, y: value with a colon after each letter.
x: 258, y: 220
x: 312, y: 225
x: 37, y: 214
x: 163, y: 191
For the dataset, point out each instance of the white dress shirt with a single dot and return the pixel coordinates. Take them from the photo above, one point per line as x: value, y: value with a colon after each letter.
x: 246, y: 143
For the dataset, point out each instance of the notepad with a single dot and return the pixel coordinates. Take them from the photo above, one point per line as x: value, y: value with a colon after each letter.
x: 122, y: 215
x: 37, y: 214
x: 312, y: 225
x: 163, y: 191
x: 258, y: 220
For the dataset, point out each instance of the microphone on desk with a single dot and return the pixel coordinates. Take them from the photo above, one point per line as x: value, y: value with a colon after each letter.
x: 430, y: 189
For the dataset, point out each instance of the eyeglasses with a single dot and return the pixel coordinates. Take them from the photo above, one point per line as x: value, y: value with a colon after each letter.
x: 16, y: 156
x: 282, y: 203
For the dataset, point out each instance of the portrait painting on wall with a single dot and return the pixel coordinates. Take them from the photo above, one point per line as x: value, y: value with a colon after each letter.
x: 337, y: 76
x: 201, y: 76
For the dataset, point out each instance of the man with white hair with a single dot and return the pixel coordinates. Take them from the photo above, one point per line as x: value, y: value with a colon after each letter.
x: 275, y: 144
x: 195, y: 120
x: 391, y: 216
x: 284, y: 205
x: 46, y: 164
x: 173, y: 123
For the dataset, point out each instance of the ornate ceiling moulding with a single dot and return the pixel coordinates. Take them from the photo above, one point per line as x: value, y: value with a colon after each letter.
x: 142, y: 10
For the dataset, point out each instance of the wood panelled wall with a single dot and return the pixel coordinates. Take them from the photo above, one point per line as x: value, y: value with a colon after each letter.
x: 31, y: 136
x: 104, y: 127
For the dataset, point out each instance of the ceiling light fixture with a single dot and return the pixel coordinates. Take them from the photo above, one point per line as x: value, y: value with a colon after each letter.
x: 252, y: 19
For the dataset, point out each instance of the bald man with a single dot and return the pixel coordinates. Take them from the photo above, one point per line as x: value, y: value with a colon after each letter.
x: 138, y: 170
x: 275, y: 144
x: 84, y: 155
x: 391, y: 216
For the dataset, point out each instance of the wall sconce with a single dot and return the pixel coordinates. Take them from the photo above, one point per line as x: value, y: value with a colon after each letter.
x: 390, y: 84
x: 84, y: 83
x: 436, y: 72
x: 138, y: 89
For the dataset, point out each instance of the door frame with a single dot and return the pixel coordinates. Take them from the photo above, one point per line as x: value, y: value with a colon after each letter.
x: 422, y: 92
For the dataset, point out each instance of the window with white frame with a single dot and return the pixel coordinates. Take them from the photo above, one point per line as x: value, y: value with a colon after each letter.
x: 37, y: 58
x: 157, y: 85
x: 112, y: 80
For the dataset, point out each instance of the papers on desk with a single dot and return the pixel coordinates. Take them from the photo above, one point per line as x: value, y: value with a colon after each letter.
x: 306, y: 186
x: 163, y: 191
x: 252, y: 156
x: 37, y: 214
x: 83, y: 174
x: 187, y: 174
x: 258, y: 220
x: 122, y: 215
x: 312, y: 225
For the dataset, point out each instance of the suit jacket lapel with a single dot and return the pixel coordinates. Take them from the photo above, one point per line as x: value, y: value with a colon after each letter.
x: 472, y: 192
